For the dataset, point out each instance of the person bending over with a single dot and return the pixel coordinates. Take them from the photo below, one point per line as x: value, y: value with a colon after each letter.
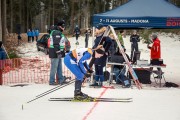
x: 75, y: 61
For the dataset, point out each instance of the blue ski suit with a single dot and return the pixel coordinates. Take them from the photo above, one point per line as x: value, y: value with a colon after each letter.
x: 75, y: 61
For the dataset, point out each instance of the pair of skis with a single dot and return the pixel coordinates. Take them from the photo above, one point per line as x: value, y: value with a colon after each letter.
x: 71, y: 99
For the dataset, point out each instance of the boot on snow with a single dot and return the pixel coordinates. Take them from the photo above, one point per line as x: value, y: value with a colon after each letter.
x: 80, y: 96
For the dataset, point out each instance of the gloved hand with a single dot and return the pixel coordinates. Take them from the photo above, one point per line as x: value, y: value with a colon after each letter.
x: 90, y: 71
x: 88, y: 75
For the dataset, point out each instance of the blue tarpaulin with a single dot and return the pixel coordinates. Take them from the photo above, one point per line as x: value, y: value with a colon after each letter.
x: 141, y: 14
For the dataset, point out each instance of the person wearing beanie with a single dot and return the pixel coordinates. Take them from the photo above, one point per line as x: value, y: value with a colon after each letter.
x: 75, y: 61
x: 100, y: 63
x: 56, y: 52
x: 155, y: 49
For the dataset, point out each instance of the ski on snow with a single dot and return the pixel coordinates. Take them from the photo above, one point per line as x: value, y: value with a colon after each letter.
x: 93, y: 99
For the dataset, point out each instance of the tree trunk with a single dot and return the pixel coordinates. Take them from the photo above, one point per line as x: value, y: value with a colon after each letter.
x: 87, y: 15
x: 3, y: 6
x: 11, y: 16
x: 20, y: 14
x: 53, y: 11
x: 72, y: 16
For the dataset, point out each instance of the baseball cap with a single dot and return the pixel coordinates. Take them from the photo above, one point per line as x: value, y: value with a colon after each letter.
x: 99, y: 26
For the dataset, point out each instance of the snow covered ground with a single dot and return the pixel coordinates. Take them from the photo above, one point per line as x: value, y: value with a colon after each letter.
x: 150, y: 103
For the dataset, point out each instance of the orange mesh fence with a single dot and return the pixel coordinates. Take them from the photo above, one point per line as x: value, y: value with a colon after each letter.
x: 27, y: 70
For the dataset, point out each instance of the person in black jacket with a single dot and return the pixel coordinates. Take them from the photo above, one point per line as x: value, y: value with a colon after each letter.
x: 113, y: 47
x: 56, y: 52
x: 100, y: 63
x: 77, y: 32
x: 134, y: 39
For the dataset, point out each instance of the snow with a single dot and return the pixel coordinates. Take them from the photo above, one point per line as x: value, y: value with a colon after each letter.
x: 149, y: 103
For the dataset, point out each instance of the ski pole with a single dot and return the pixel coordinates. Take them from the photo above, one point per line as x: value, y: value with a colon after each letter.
x: 52, y: 88
x: 46, y: 93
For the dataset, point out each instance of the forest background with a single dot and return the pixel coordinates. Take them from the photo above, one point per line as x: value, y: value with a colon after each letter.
x: 17, y: 16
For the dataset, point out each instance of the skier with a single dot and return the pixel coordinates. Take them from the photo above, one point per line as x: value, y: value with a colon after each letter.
x: 75, y: 61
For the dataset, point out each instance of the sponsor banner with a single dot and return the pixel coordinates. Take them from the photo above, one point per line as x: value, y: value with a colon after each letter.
x: 173, y: 22
x: 152, y: 22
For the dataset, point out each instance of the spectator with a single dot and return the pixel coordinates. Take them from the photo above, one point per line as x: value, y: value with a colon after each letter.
x: 134, y: 39
x: 120, y: 37
x: 120, y: 71
x: 29, y: 34
x: 36, y: 34
x: 87, y: 34
x: 19, y: 38
x: 2, y: 58
x: 113, y: 47
x: 77, y: 32
x: 75, y: 61
x: 155, y: 52
x: 56, y: 52
x: 100, y: 63
x: 33, y: 34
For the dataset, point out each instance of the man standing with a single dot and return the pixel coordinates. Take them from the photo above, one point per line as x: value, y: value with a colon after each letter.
x: 36, y: 34
x: 134, y: 39
x: 29, y: 34
x: 56, y: 52
x: 120, y: 37
x: 155, y: 52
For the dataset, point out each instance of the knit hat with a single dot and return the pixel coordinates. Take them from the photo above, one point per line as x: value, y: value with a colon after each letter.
x: 61, y: 23
x: 154, y: 36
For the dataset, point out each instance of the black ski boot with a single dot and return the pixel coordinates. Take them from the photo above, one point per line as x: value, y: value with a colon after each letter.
x: 78, y: 95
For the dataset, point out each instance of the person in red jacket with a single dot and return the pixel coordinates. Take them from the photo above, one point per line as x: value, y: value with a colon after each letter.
x: 155, y: 51
x: 156, y: 48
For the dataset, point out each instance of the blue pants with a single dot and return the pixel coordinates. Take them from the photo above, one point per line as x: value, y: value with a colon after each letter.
x: 119, y: 73
x: 99, y: 73
x: 73, y: 67
x: 56, y: 66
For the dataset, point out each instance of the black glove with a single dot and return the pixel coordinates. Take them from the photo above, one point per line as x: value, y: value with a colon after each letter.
x: 87, y: 75
x: 90, y: 71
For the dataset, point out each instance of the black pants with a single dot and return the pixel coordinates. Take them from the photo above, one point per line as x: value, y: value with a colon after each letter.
x: 29, y: 38
x: 134, y: 47
x: 86, y: 43
x: 77, y: 37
